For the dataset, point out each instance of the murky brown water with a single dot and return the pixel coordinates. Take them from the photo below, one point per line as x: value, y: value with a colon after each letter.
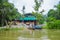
x: 43, y: 34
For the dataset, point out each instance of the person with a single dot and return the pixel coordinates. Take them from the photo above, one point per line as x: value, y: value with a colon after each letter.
x: 30, y: 25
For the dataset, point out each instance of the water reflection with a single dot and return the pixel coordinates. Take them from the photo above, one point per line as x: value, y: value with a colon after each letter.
x: 35, y: 35
x: 54, y: 34
x: 31, y: 33
x: 43, y: 34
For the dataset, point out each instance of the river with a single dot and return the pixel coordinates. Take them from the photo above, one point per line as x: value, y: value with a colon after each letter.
x: 43, y: 34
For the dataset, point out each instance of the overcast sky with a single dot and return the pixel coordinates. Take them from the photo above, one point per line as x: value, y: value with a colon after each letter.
x: 29, y: 4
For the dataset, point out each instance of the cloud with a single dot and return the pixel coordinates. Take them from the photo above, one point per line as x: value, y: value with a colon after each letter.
x: 29, y: 4
x: 48, y: 4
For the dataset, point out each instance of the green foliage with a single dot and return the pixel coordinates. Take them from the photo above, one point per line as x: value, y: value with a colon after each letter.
x: 39, y: 17
x: 7, y: 12
x: 52, y: 13
x: 49, y: 19
x: 53, y: 19
x: 6, y: 29
x: 37, y: 5
x: 54, y: 24
x: 55, y: 13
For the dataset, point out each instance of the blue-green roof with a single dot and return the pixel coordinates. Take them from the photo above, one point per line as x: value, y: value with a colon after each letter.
x: 28, y: 18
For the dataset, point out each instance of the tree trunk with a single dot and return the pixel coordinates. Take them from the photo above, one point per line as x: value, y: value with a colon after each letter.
x: 6, y: 23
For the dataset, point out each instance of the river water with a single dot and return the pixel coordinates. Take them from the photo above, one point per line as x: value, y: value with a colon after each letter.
x: 43, y: 34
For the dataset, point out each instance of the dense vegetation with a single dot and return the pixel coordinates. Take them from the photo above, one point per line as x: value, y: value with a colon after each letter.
x: 53, y: 20
x: 7, y: 12
x: 37, y: 13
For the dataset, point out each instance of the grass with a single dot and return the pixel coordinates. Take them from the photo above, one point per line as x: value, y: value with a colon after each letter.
x: 5, y: 29
x: 45, y: 27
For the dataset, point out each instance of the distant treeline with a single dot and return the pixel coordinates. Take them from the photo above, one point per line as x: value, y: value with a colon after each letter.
x: 53, y: 17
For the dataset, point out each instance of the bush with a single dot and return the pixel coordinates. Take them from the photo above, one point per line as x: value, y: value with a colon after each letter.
x: 54, y: 24
x: 6, y: 29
